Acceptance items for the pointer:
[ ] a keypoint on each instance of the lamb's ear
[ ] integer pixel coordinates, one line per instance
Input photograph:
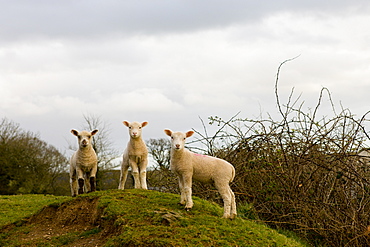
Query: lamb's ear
(94, 132)
(126, 123)
(168, 132)
(189, 133)
(143, 124)
(75, 132)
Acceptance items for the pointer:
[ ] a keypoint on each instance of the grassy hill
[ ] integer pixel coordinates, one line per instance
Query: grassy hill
(126, 218)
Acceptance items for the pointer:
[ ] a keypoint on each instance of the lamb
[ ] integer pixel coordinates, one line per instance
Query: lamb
(83, 164)
(188, 165)
(135, 156)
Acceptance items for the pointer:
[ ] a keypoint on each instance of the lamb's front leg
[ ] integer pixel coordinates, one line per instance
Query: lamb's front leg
(81, 181)
(182, 192)
(187, 182)
(135, 174)
(73, 183)
(93, 179)
(142, 174)
(123, 177)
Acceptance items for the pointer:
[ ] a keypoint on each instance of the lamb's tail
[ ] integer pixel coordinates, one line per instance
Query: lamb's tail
(233, 174)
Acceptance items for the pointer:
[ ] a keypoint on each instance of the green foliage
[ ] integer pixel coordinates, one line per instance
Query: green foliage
(247, 211)
(28, 164)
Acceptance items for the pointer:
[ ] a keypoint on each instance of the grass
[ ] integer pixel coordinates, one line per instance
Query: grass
(150, 218)
(17, 207)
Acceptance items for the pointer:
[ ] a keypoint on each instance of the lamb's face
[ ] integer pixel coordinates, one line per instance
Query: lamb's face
(84, 137)
(135, 128)
(178, 139)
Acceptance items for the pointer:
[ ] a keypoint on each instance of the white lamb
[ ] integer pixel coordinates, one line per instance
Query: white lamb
(188, 165)
(83, 164)
(135, 156)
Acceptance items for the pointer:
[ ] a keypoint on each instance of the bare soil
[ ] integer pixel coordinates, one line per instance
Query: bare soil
(77, 216)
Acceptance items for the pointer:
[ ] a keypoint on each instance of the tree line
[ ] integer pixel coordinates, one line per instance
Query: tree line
(27, 164)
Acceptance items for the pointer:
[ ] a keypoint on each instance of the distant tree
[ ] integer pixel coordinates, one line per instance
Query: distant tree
(27, 164)
(159, 149)
(160, 177)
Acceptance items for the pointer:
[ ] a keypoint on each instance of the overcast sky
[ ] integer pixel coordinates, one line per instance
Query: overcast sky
(171, 62)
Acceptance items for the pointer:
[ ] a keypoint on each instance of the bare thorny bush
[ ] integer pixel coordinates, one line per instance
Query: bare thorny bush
(302, 173)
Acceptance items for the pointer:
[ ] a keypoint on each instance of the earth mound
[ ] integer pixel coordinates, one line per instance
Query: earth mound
(68, 221)
(137, 218)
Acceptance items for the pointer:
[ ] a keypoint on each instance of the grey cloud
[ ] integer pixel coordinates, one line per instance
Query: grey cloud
(61, 19)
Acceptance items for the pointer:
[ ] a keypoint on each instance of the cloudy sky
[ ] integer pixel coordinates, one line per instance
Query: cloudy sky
(170, 62)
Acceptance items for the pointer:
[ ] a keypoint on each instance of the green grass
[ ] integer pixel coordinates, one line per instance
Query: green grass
(17, 207)
(143, 223)
(150, 218)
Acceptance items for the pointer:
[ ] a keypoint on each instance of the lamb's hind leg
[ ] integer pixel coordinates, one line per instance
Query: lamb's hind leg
(142, 174)
(233, 212)
(87, 183)
(224, 190)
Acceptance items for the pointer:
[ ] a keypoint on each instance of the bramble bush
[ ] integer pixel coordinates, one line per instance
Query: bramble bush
(304, 173)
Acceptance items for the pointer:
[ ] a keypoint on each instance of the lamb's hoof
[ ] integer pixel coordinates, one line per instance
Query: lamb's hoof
(187, 209)
(227, 216)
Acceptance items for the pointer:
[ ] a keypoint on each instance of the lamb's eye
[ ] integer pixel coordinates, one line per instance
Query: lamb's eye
(184, 139)
(140, 128)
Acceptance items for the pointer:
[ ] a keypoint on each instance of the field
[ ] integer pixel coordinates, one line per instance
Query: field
(127, 218)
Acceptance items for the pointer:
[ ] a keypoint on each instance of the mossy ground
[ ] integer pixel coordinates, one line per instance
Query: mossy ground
(17, 207)
(137, 218)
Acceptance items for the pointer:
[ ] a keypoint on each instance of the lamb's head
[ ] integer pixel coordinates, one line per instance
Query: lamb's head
(84, 137)
(178, 138)
(135, 128)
